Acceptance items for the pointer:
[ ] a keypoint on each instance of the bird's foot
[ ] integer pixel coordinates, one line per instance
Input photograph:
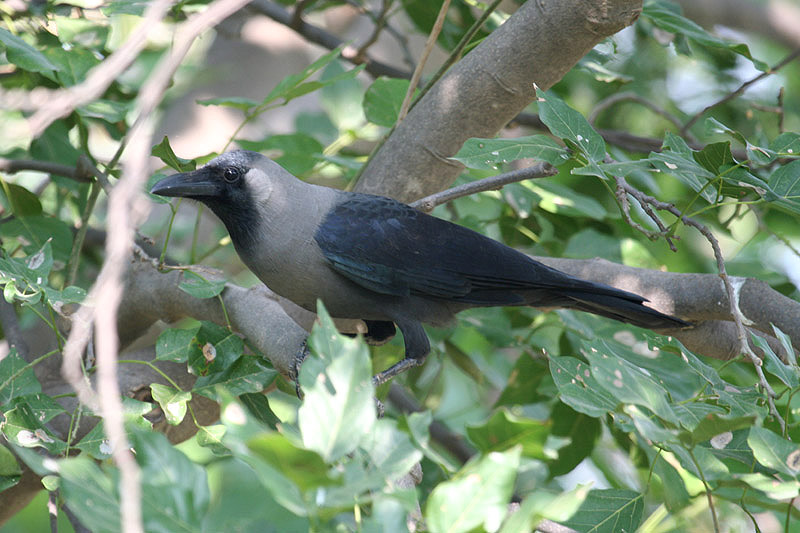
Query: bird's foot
(396, 369)
(294, 369)
(294, 375)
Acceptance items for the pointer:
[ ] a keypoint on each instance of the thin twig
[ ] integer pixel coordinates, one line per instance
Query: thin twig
(456, 53)
(709, 496)
(380, 24)
(628, 96)
(324, 38)
(64, 101)
(492, 183)
(623, 139)
(297, 13)
(622, 197)
(431, 42)
(52, 510)
(744, 344)
(742, 88)
(74, 172)
(74, 521)
(126, 209)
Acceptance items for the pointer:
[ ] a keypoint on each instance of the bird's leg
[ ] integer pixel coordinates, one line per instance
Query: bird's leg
(417, 348)
(294, 368)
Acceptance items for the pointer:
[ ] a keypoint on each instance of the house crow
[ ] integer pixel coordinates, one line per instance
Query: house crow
(376, 259)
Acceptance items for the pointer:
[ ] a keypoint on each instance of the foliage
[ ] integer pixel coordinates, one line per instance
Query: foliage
(656, 431)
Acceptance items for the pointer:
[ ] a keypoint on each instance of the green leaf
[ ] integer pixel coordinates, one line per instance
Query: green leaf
(24, 55)
(774, 489)
(786, 344)
(341, 96)
(477, 496)
(90, 494)
(108, 110)
(569, 125)
(239, 429)
(504, 430)
(715, 156)
(164, 151)
(10, 470)
(418, 426)
(54, 145)
(627, 382)
(524, 381)
(304, 468)
(197, 286)
(72, 65)
(235, 102)
(214, 350)
(43, 407)
(298, 153)
(20, 201)
(16, 378)
(686, 170)
(240, 504)
(383, 100)
(258, 406)
(211, 437)
(175, 493)
(541, 504)
(660, 14)
(581, 430)
(338, 409)
(579, 389)
(560, 200)
(34, 232)
(714, 425)
(775, 452)
(786, 373)
(786, 144)
(390, 451)
(676, 497)
(95, 443)
(173, 402)
(247, 374)
(785, 182)
(608, 510)
(176, 344)
(292, 86)
(23, 428)
(487, 154)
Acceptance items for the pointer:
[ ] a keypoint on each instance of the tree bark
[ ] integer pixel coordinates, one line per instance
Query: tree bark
(481, 93)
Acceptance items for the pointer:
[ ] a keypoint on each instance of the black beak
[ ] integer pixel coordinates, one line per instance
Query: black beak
(201, 183)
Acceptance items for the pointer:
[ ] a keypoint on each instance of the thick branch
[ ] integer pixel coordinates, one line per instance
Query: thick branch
(486, 89)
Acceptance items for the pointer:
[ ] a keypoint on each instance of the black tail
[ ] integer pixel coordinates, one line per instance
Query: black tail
(620, 305)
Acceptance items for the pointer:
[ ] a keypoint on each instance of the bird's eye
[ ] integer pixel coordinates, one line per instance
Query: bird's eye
(231, 174)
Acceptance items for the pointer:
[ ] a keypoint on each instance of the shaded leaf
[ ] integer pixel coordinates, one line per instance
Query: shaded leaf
(609, 510)
(338, 409)
(477, 496)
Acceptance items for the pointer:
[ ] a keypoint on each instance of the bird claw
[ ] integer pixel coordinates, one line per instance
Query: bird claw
(294, 375)
(395, 370)
(294, 368)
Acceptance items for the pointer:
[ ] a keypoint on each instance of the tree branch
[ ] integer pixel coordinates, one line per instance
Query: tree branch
(492, 183)
(480, 94)
(319, 36)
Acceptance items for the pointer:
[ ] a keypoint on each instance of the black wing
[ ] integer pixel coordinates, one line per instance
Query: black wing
(391, 248)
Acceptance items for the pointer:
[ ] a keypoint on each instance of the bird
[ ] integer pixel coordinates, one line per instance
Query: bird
(376, 259)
